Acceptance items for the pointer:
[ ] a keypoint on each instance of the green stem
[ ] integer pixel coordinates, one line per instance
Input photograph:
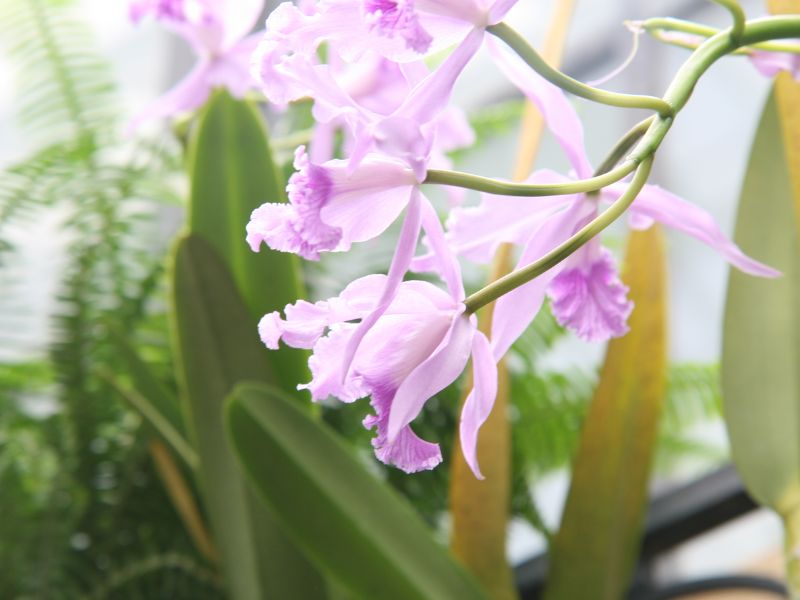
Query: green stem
(733, 7)
(623, 146)
(515, 279)
(668, 24)
(521, 46)
(507, 188)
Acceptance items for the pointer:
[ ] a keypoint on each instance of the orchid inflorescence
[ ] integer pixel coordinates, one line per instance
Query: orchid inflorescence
(400, 341)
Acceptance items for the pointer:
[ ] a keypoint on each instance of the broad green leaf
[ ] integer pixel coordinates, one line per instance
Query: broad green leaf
(761, 347)
(232, 173)
(595, 549)
(352, 525)
(216, 347)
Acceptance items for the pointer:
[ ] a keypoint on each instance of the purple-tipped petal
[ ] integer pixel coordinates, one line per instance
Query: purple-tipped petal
(589, 299)
(434, 374)
(480, 401)
(558, 112)
(515, 311)
(407, 452)
(672, 211)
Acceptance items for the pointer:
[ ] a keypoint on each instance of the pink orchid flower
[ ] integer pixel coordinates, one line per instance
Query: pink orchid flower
(586, 293)
(218, 33)
(418, 346)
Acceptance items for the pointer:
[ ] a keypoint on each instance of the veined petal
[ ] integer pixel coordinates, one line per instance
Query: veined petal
(434, 374)
(515, 311)
(556, 109)
(407, 452)
(667, 208)
(480, 401)
(588, 297)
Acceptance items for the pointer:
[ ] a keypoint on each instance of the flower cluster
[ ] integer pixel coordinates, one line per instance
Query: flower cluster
(397, 341)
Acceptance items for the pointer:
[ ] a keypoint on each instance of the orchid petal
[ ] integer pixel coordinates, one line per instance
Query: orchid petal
(429, 98)
(406, 246)
(515, 311)
(445, 258)
(667, 208)
(188, 94)
(558, 112)
(239, 17)
(480, 401)
(434, 374)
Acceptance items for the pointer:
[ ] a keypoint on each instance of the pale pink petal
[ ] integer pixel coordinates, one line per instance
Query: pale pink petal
(556, 109)
(326, 368)
(239, 17)
(476, 232)
(188, 94)
(406, 246)
(480, 401)
(434, 374)
(656, 203)
(515, 311)
(770, 64)
(446, 260)
(499, 10)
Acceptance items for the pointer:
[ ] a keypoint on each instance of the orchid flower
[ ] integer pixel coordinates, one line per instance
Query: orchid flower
(418, 346)
(218, 33)
(585, 291)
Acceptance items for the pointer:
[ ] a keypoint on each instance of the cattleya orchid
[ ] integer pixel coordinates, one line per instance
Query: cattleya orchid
(361, 62)
(218, 32)
(586, 294)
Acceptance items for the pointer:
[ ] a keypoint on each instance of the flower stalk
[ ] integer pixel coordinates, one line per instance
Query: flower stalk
(522, 276)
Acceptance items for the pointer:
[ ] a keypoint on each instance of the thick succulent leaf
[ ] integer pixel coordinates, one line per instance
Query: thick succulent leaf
(351, 524)
(761, 347)
(232, 173)
(216, 347)
(595, 550)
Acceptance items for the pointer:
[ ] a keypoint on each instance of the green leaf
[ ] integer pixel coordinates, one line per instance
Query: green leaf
(217, 347)
(595, 549)
(347, 521)
(232, 173)
(761, 347)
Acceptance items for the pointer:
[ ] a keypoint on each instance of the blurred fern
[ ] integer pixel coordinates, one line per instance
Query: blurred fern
(93, 496)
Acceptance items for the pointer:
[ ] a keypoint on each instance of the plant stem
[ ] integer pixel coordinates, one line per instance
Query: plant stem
(522, 276)
(507, 188)
(521, 46)
(735, 9)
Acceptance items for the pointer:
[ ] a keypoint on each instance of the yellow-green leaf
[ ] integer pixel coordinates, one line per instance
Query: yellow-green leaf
(595, 549)
(761, 348)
